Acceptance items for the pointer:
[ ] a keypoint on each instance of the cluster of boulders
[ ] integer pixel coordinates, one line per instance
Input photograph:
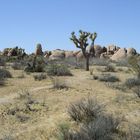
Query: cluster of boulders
(13, 51)
(112, 52)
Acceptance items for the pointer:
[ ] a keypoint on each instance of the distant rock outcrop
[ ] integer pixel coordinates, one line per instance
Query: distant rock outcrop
(131, 52)
(120, 54)
(57, 55)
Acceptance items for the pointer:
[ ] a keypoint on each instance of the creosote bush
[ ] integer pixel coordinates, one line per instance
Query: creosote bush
(58, 70)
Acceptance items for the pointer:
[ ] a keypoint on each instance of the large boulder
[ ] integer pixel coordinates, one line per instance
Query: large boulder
(131, 52)
(6, 51)
(69, 54)
(57, 55)
(120, 54)
(98, 50)
(80, 56)
(111, 49)
(38, 50)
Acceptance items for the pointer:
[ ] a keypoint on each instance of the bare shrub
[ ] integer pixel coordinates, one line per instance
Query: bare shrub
(85, 110)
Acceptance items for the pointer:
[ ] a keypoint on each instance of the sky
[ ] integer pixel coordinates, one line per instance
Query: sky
(25, 23)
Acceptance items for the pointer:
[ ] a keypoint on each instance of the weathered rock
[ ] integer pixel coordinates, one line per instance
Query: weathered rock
(98, 50)
(120, 54)
(38, 50)
(131, 52)
(80, 56)
(69, 54)
(111, 49)
(57, 55)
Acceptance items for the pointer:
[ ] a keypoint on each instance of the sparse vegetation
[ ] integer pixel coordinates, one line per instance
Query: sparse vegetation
(108, 78)
(40, 77)
(132, 82)
(59, 83)
(58, 70)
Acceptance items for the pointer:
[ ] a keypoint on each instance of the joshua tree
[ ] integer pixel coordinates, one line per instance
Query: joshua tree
(81, 43)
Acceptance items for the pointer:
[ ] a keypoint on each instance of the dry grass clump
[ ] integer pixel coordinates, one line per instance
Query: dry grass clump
(106, 78)
(59, 83)
(132, 82)
(92, 123)
(85, 110)
(40, 77)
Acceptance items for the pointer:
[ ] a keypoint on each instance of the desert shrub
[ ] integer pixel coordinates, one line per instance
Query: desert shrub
(116, 86)
(137, 91)
(59, 83)
(17, 66)
(5, 73)
(2, 81)
(2, 62)
(104, 127)
(95, 77)
(99, 62)
(63, 130)
(135, 65)
(132, 82)
(85, 110)
(58, 70)
(109, 68)
(35, 64)
(108, 78)
(40, 77)
(122, 63)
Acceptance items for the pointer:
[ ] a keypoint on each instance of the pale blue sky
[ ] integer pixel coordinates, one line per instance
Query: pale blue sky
(25, 23)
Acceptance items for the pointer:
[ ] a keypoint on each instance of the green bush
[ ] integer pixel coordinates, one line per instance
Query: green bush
(58, 70)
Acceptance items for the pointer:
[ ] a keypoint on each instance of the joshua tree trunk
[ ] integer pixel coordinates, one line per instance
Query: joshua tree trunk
(87, 63)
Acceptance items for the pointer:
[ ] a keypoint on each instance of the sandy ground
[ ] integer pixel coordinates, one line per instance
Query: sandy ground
(43, 124)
